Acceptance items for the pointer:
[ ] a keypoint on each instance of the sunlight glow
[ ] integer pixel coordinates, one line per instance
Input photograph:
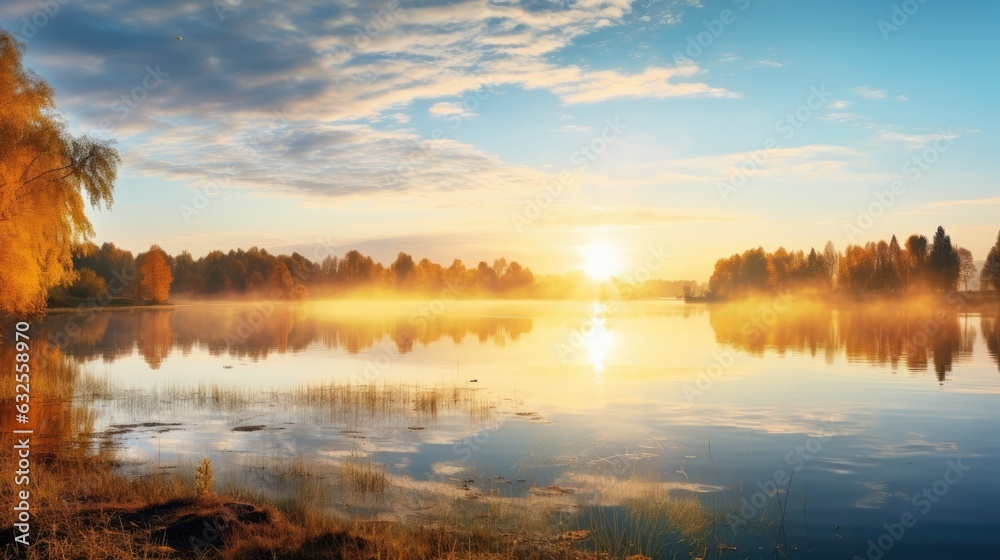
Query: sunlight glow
(599, 341)
(601, 262)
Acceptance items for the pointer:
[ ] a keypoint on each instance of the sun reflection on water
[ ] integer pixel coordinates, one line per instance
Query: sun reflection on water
(599, 341)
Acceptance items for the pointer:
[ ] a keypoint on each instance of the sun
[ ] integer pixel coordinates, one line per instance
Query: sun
(601, 262)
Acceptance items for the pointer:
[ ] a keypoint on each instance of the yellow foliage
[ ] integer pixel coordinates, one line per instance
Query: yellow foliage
(44, 173)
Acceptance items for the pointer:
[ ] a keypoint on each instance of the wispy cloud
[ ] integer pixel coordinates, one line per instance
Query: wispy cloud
(839, 117)
(913, 140)
(624, 217)
(336, 160)
(728, 58)
(333, 64)
(976, 202)
(575, 128)
(450, 109)
(869, 92)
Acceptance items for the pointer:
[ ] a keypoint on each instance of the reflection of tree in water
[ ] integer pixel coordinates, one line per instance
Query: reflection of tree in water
(916, 336)
(155, 337)
(56, 421)
(251, 332)
(756, 328)
(990, 324)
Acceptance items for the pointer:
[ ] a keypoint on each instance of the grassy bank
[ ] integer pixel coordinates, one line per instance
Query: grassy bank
(83, 505)
(86, 511)
(87, 501)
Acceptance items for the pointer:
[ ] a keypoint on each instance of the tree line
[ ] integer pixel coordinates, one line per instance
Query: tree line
(918, 265)
(111, 273)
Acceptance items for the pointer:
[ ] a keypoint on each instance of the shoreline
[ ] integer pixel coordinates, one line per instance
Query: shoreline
(966, 298)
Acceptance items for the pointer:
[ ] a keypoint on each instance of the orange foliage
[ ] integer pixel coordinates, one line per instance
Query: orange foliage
(44, 172)
(156, 275)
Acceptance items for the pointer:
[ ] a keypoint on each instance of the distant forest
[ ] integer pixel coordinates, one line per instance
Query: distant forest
(886, 267)
(117, 276)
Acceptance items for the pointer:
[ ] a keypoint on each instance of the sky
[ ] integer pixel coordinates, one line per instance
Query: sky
(531, 130)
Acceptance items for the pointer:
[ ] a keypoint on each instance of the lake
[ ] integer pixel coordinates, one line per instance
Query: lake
(767, 429)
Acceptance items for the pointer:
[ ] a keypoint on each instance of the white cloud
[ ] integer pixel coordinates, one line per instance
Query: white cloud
(839, 117)
(839, 104)
(317, 67)
(336, 160)
(901, 98)
(590, 87)
(450, 109)
(575, 128)
(978, 203)
(728, 58)
(914, 140)
(869, 92)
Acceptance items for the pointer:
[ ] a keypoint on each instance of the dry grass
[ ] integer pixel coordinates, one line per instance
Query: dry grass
(85, 512)
(652, 523)
(84, 507)
(325, 403)
(364, 478)
(658, 511)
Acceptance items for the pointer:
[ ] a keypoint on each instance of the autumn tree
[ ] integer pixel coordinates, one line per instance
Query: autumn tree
(430, 276)
(831, 258)
(485, 278)
(46, 178)
(500, 267)
(355, 268)
(516, 278)
(856, 269)
(989, 277)
(403, 270)
(88, 285)
(115, 265)
(966, 267)
(156, 275)
(456, 275)
(281, 279)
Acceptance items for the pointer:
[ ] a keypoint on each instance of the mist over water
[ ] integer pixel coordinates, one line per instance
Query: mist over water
(796, 427)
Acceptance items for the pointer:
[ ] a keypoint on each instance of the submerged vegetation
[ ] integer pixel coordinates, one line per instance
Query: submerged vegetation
(326, 403)
(364, 478)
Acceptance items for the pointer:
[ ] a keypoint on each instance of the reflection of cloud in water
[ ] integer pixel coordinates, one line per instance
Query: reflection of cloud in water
(844, 466)
(816, 421)
(876, 497)
(448, 469)
(917, 445)
(412, 498)
(609, 490)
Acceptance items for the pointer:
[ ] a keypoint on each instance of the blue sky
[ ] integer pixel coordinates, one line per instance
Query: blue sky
(427, 126)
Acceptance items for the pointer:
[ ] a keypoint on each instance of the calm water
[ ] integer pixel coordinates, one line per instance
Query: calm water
(807, 432)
